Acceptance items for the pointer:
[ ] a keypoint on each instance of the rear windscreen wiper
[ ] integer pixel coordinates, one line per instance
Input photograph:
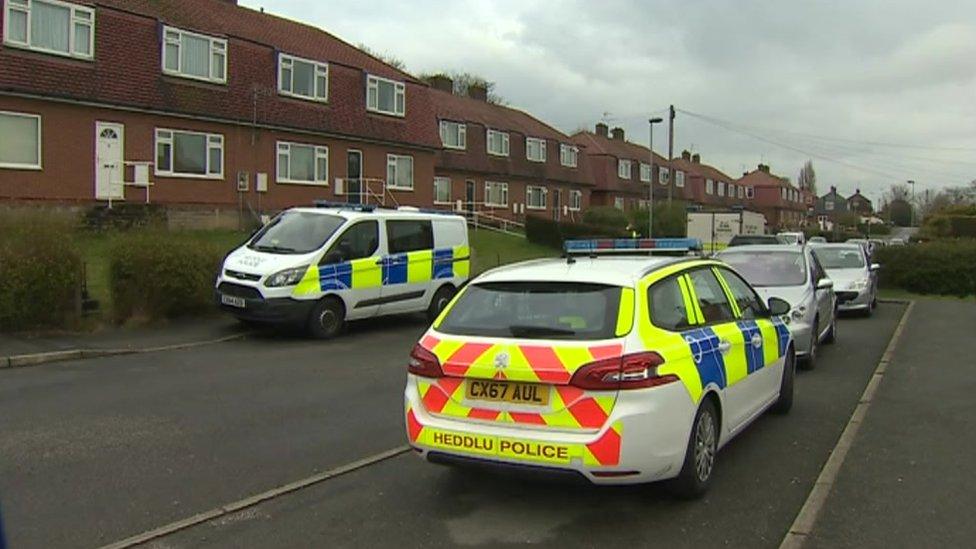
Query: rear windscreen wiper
(528, 331)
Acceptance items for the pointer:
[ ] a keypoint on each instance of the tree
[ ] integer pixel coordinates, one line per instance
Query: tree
(807, 178)
(387, 58)
(464, 80)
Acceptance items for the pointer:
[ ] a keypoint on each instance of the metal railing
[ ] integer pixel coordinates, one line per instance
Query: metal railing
(366, 191)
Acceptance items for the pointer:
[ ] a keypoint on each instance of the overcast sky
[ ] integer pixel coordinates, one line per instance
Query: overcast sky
(868, 71)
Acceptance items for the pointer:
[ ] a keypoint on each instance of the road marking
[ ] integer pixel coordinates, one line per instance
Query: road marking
(251, 501)
(802, 526)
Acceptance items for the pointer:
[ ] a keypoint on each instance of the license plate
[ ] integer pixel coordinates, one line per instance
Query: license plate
(507, 391)
(232, 300)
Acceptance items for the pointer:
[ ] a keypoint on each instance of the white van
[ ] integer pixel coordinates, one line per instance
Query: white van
(318, 267)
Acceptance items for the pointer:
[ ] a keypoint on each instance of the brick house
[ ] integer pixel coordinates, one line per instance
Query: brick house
(707, 186)
(830, 208)
(620, 170)
(775, 197)
(860, 204)
(503, 161)
(198, 98)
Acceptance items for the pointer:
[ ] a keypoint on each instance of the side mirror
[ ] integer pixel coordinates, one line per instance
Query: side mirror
(875, 266)
(825, 284)
(778, 307)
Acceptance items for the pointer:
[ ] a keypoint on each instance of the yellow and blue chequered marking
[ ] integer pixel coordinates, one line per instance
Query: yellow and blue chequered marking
(708, 360)
(755, 357)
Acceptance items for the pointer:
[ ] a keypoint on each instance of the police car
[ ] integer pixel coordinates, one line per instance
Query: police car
(605, 365)
(321, 266)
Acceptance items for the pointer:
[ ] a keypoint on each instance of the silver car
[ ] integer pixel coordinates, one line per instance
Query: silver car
(855, 277)
(795, 275)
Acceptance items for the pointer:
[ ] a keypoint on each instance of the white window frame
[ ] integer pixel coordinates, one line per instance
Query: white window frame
(504, 191)
(618, 202)
(730, 190)
(646, 173)
(740, 191)
(568, 155)
(679, 178)
(461, 132)
(720, 189)
(829, 205)
(392, 161)
(399, 96)
(625, 168)
(782, 193)
(750, 192)
(709, 186)
(505, 141)
(24, 6)
(542, 192)
(575, 201)
(321, 152)
(663, 175)
(542, 149)
(40, 160)
(213, 140)
(442, 181)
(217, 46)
(320, 70)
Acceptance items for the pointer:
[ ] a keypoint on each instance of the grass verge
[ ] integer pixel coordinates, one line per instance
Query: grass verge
(894, 293)
(491, 249)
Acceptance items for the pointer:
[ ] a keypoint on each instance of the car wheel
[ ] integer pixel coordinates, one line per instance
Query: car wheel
(785, 401)
(326, 319)
(441, 298)
(696, 471)
(809, 362)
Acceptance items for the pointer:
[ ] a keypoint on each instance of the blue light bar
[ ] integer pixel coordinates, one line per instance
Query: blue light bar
(344, 206)
(623, 245)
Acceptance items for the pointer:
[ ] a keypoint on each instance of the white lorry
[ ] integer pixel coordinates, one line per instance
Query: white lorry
(716, 229)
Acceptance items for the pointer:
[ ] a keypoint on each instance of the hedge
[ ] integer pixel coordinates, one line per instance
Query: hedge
(40, 270)
(545, 232)
(159, 274)
(945, 267)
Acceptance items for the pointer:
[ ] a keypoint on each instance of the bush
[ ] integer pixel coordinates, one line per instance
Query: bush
(945, 267)
(159, 274)
(40, 270)
(545, 232)
(668, 222)
(606, 216)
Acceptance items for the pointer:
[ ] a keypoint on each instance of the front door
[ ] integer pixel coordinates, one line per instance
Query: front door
(556, 206)
(469, 191)
(109, 154)
(354, 177)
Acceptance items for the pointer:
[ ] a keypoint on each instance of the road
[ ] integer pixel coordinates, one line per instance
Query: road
(99, 450)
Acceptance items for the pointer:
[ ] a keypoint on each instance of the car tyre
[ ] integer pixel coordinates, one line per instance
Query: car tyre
(831, 336)
(809, 362)
(440, 300)
(326, 319)
(699, 464)
(785, 401)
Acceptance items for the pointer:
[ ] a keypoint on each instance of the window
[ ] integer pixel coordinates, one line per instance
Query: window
(454, 135)
(20, 140)
(667, 305)
(829, 205)
(645, 172)
(731, 190)
(618, 202)
(189, 154)
(496, 194)
(568, 155)
(303, 78)
(385, 96)
(663, 175)
(709, 186)
(712, 301)
(409, 236)
(359, 241)
(575, 200)
(50, 26)
(535, 198)
(750, 192)
(721, 188)
(193, 55)
(442, 190)
(741, 191)
(782, 193)
(399, 172)
(535, 149)
(768, 269)
(308, 164)
(679, 178)
(749, 303)
(624, 168)
(497, 143)
(296, 232)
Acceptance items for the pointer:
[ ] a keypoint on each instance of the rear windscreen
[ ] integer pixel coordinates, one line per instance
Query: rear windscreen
(535, 310)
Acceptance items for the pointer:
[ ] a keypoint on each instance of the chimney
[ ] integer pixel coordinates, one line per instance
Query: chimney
(477, 91)
(764, 168)
(686, 155)
(833, 189)
(441, 82)
(696, 158)
(618, 133)
(602, 129)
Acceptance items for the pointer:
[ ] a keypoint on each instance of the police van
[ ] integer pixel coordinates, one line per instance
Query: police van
(318, 267)
(602, 365)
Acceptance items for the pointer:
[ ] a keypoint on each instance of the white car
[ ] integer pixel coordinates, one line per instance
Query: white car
(855, 277)
(620, 370)
(318, 267)
(792, 238)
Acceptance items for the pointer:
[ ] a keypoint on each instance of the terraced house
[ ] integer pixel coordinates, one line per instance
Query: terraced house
(503, 162)
(205, 104)
(784, 205)
(707, 186)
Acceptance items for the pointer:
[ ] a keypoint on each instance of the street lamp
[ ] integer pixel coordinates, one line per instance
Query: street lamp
(650, 186)
(912, 183)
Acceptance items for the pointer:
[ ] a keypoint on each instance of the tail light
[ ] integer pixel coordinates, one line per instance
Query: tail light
(636, 371)
(424, 363)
